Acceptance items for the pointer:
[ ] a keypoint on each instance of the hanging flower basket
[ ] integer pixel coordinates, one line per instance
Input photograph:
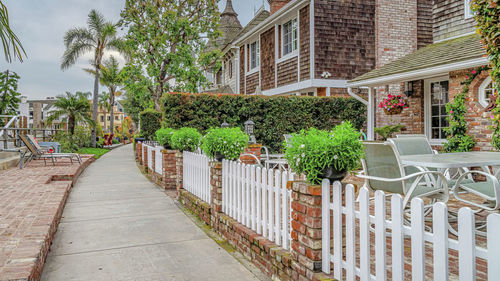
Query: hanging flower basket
(393, 105)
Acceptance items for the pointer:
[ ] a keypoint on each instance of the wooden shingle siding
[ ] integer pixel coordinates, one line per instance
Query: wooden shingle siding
(305, 65)
(252, 81)
(287, 72)
(344, 37)
(424, 23)
(242, 69)
(267, 59)
(449, 20)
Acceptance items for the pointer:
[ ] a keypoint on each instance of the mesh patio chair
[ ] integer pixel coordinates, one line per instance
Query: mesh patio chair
(383, 170)
(37, 152)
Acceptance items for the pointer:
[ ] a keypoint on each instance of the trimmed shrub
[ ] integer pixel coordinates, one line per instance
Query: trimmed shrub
(185, 139)
(164, 136)
(229, 142)
(150, 123)
(273, 116)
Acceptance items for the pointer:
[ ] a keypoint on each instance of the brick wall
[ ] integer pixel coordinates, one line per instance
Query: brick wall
(344, 37)
(179, 167)
(267, 59)
(169, 166)
(252, 81)
(304, 29)
(449, 20)
(242, 69)
(287, 72)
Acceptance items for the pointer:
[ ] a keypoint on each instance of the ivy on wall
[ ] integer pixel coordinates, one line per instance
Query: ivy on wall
(487, 16)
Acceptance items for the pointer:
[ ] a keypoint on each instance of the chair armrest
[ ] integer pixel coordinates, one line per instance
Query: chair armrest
(251, 155)
(266, 152)
(439, 174)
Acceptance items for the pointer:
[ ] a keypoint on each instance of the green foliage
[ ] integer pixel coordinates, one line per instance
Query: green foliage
(150, 123)
(229, 142)
(71, 143)
(9, 38)
(387, 131)
(312, 151)
(458, 140)
(164, 135)
(186, 139)
(9, 96)
(74, 108)
(273, 116)
(487, 15)
(98, 152)
(168, 44)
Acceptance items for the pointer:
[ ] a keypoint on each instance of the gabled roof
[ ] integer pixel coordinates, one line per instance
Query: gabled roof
(229, 25)
(449, 52)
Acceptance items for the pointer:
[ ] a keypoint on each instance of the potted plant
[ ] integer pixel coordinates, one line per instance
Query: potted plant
(393, 104)
(224, 143)
(163, 136)
(185, 139)
(323, 154)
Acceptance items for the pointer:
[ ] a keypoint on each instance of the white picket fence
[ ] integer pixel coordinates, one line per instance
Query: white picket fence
(259, 199)
(158, 160)
(150, 157)
(358, 222)
(196, 175)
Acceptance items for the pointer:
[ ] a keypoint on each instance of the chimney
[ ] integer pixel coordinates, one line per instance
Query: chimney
(277, 4)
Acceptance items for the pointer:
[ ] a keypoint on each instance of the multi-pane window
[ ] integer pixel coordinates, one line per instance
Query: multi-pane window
(439, 99)
(254, 55)
(290, 37)
(467, 8)
(486, 90)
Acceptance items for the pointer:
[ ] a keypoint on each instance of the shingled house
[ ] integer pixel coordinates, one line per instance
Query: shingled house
(308, 47)
(426, 49)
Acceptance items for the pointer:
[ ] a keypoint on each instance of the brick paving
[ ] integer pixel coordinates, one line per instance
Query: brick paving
(32, 200)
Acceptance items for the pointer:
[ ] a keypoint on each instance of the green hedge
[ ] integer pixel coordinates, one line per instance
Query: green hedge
(150, 123)
(273, 116)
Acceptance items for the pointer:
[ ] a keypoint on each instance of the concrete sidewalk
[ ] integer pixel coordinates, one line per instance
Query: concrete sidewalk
(118, 226)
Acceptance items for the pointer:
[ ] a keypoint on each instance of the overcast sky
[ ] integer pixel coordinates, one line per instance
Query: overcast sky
(41, 25)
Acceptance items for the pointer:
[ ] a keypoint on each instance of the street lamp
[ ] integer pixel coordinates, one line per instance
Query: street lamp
(249, 127)
(224, 124)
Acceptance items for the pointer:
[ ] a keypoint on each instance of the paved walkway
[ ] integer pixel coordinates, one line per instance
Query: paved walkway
(118, 226)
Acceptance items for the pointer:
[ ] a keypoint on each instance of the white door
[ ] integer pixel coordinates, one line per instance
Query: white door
(435, 99)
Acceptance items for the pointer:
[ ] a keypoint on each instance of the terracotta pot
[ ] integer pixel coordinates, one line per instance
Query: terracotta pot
(393, 111)
(333, 174)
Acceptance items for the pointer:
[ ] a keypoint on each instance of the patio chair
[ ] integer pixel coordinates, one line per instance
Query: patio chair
(383, 170)
(488, 190)
(37, 152)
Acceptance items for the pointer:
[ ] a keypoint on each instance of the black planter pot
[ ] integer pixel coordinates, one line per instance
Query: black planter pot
(219, 157)
(333, 174)
(166, 146)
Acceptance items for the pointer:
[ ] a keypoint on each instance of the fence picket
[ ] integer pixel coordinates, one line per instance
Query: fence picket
(397, 237)
(350, 224)
(285, 220)
(417, 240)
(493, 222)
(337, 230)
(258, 197)
(277, 206)
(264, 203)
(440, 227)
(364, 234)
(380, 237)
(247, 196)
(270, 197)
(253, 216)
(466, 245)
(325, 226)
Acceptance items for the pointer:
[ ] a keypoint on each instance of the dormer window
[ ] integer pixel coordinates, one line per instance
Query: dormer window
(468, 10)
(254, 55)
(289, 37)
(486, 90)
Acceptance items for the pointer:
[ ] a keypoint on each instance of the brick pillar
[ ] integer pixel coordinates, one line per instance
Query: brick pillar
(253, 149)
(178, 164)
(306, 230)
(216, 191)
(138, 152)
(169, 169)
(153, 155)
(145, 159)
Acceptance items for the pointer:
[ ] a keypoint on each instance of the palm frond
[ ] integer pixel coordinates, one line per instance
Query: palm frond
(78, 34)
(96, 22)
(9, 38)
(73, 52)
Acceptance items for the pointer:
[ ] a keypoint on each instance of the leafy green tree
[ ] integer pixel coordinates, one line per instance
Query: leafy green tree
(99, 36)
(168, 44)
(73, 109)
(9, 99)
(9, 38)
(105, 105)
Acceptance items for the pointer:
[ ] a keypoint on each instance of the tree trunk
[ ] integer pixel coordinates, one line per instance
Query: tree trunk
(95, 106)
(104, 129)
(71, 125)
(111, 111)
(157, 96)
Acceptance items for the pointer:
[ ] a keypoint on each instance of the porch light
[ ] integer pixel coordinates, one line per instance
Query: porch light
(249, 127)
(224, 124)
(409, 89)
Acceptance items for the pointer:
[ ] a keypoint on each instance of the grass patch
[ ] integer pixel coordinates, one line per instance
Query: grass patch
(98, 152)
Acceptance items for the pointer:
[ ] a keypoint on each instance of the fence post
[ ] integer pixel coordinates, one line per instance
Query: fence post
(153, 161)
(145, 158)
(306, 230)
(138, 151)
(216, 191)
(169, 169)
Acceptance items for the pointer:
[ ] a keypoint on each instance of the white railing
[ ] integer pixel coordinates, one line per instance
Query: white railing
(196, 175)
(150, 157)
(158, 160)
(355, 227)
(259, 199)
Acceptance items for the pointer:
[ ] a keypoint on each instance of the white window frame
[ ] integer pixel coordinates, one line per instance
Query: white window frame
(428, 108)
(482, 91)
(467, 9)
(295, 47)
(256, 67)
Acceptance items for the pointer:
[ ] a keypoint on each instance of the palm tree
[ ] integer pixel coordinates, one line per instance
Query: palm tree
(104, 104)
(73, 108)
(9, 38)
(111, 77)
(98, 37)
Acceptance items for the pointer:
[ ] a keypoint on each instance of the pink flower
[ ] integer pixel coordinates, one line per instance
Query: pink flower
(451, 111)
(466, 76)
(492, 116)
(473, 72)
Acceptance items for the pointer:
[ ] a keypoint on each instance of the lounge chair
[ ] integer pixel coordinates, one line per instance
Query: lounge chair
(383, 170)
(37, 152)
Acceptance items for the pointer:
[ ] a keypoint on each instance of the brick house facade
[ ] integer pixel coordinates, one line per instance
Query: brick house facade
(426, 48)
(307, 51)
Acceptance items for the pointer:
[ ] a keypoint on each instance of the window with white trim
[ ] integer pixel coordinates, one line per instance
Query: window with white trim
(254, 55)
(467, 9)
(290, 37)
(486, 90)
(438, 100)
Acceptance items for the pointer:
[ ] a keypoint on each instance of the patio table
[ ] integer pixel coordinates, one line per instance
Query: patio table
(273, 163)
(453, 160)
